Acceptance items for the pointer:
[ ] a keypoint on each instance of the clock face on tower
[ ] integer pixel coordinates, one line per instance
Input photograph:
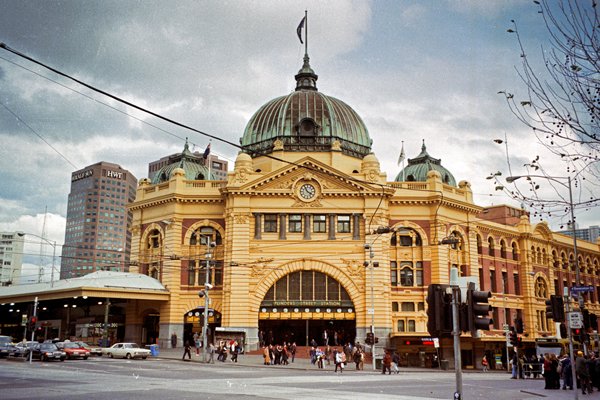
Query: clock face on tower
(307, 191)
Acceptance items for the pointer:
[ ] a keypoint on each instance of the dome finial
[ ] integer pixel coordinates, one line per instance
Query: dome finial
(306, 78)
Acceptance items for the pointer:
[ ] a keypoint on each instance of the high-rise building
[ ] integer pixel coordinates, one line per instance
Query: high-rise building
(590, 234)
(217, 166)
(97, 235)
(11, 257)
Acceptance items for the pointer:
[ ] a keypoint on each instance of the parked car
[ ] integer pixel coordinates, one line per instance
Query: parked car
(5, 346)
(21, 349)
(126, 350)
(47, 352)
(73, 350)
(94, 350)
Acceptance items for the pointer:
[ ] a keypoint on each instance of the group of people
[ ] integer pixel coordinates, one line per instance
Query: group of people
(556, 369)
(279, 354)
(223, 349)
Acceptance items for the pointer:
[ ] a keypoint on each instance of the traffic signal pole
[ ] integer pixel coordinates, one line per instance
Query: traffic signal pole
(456, 334)
(570, 335)
(35, 304)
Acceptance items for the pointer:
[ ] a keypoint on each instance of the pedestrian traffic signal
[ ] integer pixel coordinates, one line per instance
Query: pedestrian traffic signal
(439, 310)
(32, 322)
(376, 339)
(519, 341)
(555, 308)
(576, 335)
(369, 338)
(513, 338)
(478, 310)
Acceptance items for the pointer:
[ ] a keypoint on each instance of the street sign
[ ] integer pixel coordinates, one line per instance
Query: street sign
(579, 289)
(370, 311)
(575, 320)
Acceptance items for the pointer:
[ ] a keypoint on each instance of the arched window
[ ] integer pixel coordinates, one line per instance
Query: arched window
(300, 287)
(491, 247)
(196, 271)
(502, 249)
(406, 237)
(204, 235)
(154, 240)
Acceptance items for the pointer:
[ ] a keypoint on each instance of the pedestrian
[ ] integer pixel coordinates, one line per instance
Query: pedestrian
(266, 356)
(234, 351)
(328, 355)
(566, 372)
(211, 353)
(187, 350)
(338, 356)
(293, 351)
(514, 362)
(484, 362)
(325, 338)
(357, 358)
(396, 362)
(581, 368)
(173, 340)
(386, 364)
(197, 343)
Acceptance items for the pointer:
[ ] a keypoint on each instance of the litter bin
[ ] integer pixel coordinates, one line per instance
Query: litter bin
(445, 365)
(153, 349)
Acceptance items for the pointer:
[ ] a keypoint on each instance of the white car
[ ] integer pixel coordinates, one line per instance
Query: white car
(126, 350)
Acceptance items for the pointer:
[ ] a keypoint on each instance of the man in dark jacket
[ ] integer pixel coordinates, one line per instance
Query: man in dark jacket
(583, 375)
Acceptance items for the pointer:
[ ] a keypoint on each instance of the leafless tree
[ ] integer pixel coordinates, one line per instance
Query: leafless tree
(562, 101)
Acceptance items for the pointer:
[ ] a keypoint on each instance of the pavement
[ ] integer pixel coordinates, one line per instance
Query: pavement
(300, 363)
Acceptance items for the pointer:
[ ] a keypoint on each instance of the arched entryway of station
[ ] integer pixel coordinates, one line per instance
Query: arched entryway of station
(193, 321)
(150, 326)
(304, 304)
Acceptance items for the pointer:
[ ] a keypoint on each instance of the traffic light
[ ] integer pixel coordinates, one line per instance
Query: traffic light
(439, 310)
(555, 308)
(519, 341)
(32, 322)
(478, 310)
(576, 335)
(369, 338)
(376, 339)
(513, 337)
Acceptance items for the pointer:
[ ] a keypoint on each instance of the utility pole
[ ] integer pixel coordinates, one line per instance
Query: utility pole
(204, 293)
(35, 304)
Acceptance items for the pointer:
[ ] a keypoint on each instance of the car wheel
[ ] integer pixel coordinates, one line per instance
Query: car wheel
(85, 358)
(44, 358)
(128, 356)
(111, 355)
(144, 357)
(62, 359)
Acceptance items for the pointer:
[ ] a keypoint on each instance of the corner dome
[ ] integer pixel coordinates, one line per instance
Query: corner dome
(190, 165)
(417, 169)
(306, 120)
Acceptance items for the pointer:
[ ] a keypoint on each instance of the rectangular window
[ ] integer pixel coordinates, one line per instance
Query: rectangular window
(408, 306)
(394, 273)
(295, 223)
(343, 223)
(319, 223)
(493, 281)
(419, 274)
(400, 325)
(505, 282)
(411, 325)
(270, 223)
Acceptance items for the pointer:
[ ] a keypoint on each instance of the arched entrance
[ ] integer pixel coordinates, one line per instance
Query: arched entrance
(302, 306)
(193, 321)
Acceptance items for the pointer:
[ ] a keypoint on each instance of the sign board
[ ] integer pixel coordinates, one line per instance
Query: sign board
(370, 311)
(575, 320)
(436, 343)
(579, 289)
(505, 327)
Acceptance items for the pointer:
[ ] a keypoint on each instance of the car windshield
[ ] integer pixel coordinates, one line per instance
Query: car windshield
(48, 347)
(4, 340)
(71, 346)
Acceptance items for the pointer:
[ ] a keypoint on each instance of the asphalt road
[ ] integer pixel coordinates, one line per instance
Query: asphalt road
(158, 378)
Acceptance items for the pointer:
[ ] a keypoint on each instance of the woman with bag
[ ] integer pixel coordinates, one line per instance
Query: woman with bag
(484, 362)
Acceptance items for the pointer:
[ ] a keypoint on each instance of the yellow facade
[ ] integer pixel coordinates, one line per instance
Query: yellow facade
(311, 215)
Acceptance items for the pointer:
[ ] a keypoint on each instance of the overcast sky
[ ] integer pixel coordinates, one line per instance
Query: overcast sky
(413, 70)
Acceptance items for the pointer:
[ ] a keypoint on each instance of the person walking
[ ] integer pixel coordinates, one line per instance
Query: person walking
(396, 362)
(266, 356)
(234, 351)
(581, 368)
(338, 356)
(484, 362)
(197, 343)
(386, 364)
(173, 340)
(293, 351)
(187, 350)
(566, 372)
(514, 362)
(211, 353)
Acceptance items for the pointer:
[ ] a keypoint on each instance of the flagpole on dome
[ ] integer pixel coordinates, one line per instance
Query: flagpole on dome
(306, 33)
(401, 160)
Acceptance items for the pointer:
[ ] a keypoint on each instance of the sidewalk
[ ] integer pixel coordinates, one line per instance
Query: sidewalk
(256, 360)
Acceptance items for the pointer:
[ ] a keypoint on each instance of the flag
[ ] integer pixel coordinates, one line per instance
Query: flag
(402, 155)
(299, 29)
(207, 151)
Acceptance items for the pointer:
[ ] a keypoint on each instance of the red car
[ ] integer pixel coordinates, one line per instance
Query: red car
(74, 350)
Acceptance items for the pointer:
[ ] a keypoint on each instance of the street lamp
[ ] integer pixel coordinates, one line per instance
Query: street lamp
(372, 310)
(511, 179)
(204, 293)
(51, 243)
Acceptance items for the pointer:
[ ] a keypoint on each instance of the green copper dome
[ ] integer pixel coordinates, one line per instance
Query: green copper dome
(306, 120)
(418, 167)
(192, 165)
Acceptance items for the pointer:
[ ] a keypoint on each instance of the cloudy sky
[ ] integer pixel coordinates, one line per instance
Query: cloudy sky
(413, 70)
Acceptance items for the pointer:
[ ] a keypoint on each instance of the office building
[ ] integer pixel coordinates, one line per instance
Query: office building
(11, 258)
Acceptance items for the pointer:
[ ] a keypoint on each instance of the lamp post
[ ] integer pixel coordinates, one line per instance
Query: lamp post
(510, 179)
(372, 310)
(204, 293)
(51, 243)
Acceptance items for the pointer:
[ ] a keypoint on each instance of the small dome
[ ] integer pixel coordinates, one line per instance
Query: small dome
(185, 164)
(418, 167)
(306, 120)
